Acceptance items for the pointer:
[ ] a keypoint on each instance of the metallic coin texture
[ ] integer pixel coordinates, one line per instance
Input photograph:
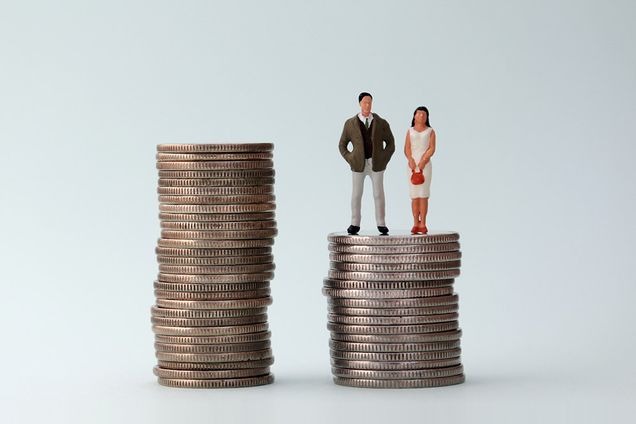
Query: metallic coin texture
(210, 374)
(215, 304)
(393, 276)
(415, 267)
(400, 384)
(394, 250)
(216, 278)
(386, 285)
(208, 322)
(209, 253)
(216, 147)
(219, 287)
(408, 320)
(217, 384)
(392, 347)
(392, 329)
(215, 366)
(224, 209)
(399, 338)
(214, 165)
(193, 157)
(393, 312)
(215, 244)
(220, 234)
(398, 375)
(218, 174)
(391, 240)
(387, 294)
(214, 295)
(214, 348)
(216, 200)
(204, 313)
(226, 339)
(220, 269)
(212, 261)
(396, 356)
(218, 226)
(215, 357)
(216, 182)
(209, 331)
(420, 302)
(395, 365)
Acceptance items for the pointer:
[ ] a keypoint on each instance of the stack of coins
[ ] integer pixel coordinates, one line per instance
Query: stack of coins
(393, 310)
(215, 259)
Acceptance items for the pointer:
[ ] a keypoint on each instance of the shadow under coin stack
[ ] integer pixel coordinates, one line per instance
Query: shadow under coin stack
(393, 311)
(215, 259)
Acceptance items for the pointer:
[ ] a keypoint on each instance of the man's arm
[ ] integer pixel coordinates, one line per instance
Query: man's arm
(344, 141)
(390, 141)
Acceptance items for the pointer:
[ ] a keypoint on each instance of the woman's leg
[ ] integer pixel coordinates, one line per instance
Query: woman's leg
(415, 208)
(423, 206)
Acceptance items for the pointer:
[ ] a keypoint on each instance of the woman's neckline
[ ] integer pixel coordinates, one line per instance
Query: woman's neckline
(424, 130)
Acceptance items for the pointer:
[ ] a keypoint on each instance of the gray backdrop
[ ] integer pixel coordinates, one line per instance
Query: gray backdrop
(532, 103)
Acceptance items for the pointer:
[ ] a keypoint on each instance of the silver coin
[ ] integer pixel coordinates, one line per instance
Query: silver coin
(220, 209)
(215, 165)
(217, 200)
(215, 357)
(392, 239)
(216, 244)
(387, 294)
(392, 329)
(398, 375)
(217, 384)
(215, 366)
(211, 261)
(215, 295)
(202, 313)
(220, 235)
(386, 285)
(217, 217)
(216, 278)
(420, 302)
(212, 253)
(215, 191)
(216, 147)
(393, 347)
(394, 250)
(209, 331)
(210, 374)
(196, 157)
(397, 365)
(228, 339)
(396, 356)
(215, 304)
(394, 312)
(215, 182)
(400, 384)
(414, 267)
(395, 259)
(393, 276)
(408, 320)
(221, 269)
(215, 348)
(219, 287)
(217, 226)
(399, 338)
(218, 174)
(208, 322)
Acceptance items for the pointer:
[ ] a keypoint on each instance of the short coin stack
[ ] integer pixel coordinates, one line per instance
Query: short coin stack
(215, 259)
(393, 310)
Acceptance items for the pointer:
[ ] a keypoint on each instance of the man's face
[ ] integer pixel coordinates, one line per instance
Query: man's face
(365, 105)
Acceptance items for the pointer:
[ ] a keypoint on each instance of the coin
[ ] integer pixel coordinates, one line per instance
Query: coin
(398, 375)
(215, 182)
(214, 384)
(216, 191)
(210, 261)
(215, 348)
(215, 357)
(216, 244)
(395, 259)
(399, 384)
(209, 253)
(215, 304)
(219, 174)
(193, 157)
(215, 295)
(217, 217)
(226, 339)
(217, 200)
(222, 226)
(372, 240)
(221, 269)
(387, 294)
(399, 338)
(419, 302)
(395, 365)
(203, 313)
(208, 322)
(393, 276)
(216, 278)
(204, 375)
(394, 250)
(220, 235)
(216, 148)
(209, 331)
(392, 329)
(409, 320)
(215, 165)
(393, 347)
(414, 267)
(386, 285)
(219, 287)
(216, 366)
(395, 356)
(394, 312)
(225, 209)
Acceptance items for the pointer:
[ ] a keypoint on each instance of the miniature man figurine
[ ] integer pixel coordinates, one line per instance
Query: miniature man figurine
(372, 147)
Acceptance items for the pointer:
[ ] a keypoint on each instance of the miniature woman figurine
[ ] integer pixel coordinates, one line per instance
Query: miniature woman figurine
(418, 148)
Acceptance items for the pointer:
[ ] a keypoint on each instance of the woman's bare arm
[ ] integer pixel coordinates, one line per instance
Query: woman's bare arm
(426, 157)
(407, 150)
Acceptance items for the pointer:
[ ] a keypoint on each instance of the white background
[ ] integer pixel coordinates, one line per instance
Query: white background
(533, 106)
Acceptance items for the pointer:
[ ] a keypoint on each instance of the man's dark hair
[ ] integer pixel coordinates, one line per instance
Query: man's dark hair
(363, 95)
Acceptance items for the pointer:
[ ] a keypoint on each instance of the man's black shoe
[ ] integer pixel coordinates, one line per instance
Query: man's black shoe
(353, 229)
(383, 230)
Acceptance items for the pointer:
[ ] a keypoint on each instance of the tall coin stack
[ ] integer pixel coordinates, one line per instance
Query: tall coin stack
(393, 310)
(216, 206)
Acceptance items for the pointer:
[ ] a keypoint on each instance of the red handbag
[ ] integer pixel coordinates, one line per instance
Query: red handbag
(417, 178)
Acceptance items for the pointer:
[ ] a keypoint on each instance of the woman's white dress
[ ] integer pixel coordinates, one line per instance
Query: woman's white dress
(419, 144)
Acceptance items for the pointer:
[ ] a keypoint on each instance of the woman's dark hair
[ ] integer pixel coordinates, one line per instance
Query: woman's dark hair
(363, 95)
(428, 124)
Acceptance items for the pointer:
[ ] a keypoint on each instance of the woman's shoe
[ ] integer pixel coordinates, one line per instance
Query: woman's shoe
(423, 230)
(415, 229)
